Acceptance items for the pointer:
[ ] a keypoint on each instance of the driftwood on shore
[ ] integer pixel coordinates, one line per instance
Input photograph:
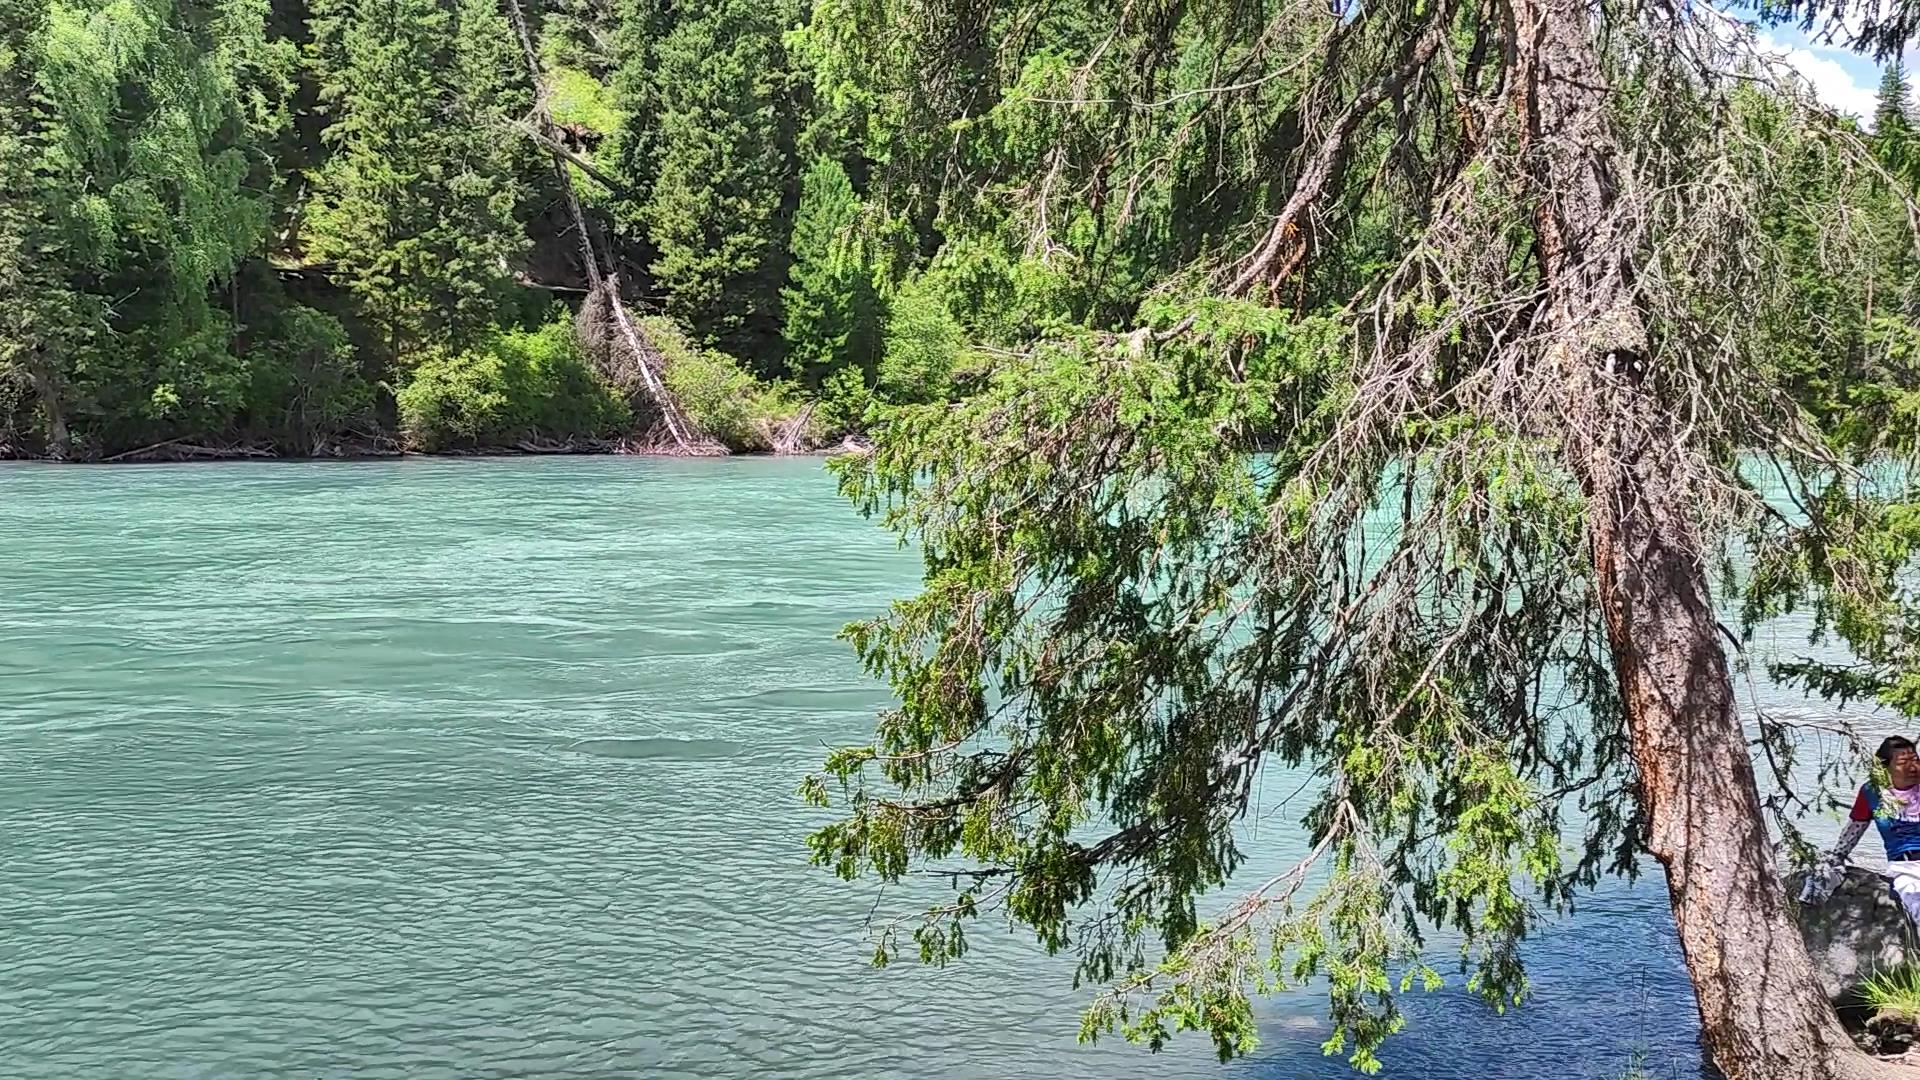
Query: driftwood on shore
(182, 450)
(793, 436)
(345, 444)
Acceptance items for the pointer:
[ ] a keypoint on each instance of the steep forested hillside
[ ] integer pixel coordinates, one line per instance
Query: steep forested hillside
(335, 226)
(323, 226)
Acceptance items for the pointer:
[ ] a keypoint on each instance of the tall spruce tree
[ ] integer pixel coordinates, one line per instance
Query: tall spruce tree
(1893, 116)
(716, 213)
(831, 307)
(415, 209)
(1893, 102)
(640, 29)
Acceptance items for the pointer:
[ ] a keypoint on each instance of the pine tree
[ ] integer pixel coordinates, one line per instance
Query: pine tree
(1893, 110)
(830, 306)
(416, 208)
(715, 212)
(642, 27)
(1893, 117)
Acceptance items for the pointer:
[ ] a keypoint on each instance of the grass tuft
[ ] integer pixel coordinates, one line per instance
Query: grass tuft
(1894, 994)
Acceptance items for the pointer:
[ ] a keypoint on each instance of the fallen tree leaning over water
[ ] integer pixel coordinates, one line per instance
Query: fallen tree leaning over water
(1503, 308)
(607, 331)
(632, 361)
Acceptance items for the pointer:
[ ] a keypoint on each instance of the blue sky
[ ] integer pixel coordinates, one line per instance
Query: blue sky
(1842, 78)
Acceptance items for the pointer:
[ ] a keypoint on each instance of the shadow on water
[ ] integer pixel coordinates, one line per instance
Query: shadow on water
(1610, 996)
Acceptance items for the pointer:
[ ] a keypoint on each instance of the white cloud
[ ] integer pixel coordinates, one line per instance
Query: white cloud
(1833, 84)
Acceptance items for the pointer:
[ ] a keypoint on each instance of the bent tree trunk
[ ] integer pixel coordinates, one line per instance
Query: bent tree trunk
(1762, 1013)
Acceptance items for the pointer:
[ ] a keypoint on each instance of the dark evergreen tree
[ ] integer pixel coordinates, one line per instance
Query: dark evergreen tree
(831, 316)
(640, 29)
(1893, 117)
(715, 211)
(1893, 109)
(416, 209)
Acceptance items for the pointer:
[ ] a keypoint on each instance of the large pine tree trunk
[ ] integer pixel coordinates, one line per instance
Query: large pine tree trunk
(1761, 1010)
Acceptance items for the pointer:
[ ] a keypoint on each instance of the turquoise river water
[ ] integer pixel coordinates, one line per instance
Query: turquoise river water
(461, 769)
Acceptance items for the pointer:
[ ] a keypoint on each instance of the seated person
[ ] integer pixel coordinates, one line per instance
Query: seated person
(1895, 809)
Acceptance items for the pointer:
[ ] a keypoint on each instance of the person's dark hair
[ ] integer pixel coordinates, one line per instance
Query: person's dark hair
(1890, 744)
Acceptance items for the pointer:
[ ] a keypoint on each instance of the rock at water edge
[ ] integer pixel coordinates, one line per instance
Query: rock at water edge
(1857, 931)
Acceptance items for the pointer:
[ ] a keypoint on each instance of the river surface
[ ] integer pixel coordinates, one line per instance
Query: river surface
(460, 769)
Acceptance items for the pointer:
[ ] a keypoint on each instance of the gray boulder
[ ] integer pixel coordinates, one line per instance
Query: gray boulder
(1857, 931)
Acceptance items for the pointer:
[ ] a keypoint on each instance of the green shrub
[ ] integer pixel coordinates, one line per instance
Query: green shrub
(306, 380)
(170, 376)
(924, 344)
(719, 394)
(841, 409)
(522, 384)
(577, 99)
(1005, 297)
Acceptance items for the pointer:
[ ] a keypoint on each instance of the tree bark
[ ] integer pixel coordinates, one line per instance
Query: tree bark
(47, 388)
(1762, 1013)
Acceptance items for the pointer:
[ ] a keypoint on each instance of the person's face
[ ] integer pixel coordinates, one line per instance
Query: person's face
(1903, 768)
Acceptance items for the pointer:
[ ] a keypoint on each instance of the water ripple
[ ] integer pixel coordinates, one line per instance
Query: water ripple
(472, 769)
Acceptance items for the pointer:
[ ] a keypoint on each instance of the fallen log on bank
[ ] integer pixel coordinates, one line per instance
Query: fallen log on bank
(633, 362)
(182, 450)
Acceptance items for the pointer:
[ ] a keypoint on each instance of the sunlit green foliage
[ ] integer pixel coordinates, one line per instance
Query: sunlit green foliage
(638, 33)
(43, 322)
(134, 186)
(924, 344)
(576, 100)
(306, 380)
(1893, 117)
(378, 151)
(720, 394)
(517, 386)
(1037, 750)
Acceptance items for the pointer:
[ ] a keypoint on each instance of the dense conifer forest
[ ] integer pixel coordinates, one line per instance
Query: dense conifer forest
(347, 226)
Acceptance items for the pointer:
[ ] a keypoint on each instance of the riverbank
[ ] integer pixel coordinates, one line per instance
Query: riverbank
(179, 451)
